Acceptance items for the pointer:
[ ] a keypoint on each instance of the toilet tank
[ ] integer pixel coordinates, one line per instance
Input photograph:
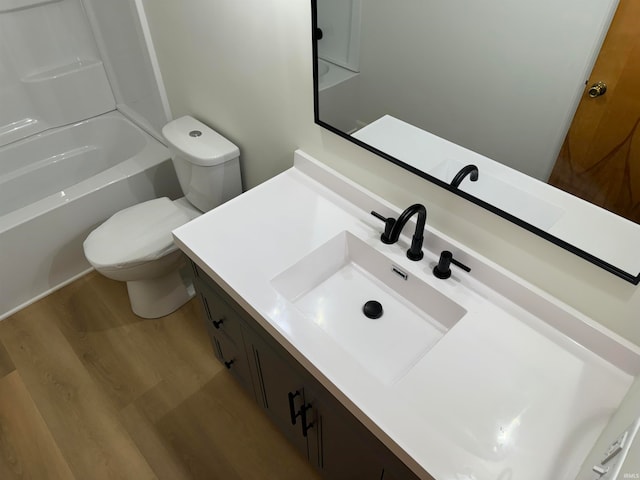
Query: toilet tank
(206, 163)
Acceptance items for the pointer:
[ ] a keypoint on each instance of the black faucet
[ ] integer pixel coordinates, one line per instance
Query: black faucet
(393, 228)
(470, 170)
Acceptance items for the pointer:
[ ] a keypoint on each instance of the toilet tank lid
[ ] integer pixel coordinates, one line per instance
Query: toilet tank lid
(198, 143)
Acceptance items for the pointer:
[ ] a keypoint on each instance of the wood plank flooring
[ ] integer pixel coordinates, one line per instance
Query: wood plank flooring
(90, 391)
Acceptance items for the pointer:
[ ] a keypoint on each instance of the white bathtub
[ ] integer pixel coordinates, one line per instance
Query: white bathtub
(55, 187)
(337, 96)
(330, 74)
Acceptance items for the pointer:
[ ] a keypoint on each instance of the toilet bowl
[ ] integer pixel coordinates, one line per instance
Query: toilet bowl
(135, 245)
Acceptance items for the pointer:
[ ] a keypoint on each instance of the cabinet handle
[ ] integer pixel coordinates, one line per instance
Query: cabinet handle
(218, 323)
(292, 407)
(303, 418)
(228, 364)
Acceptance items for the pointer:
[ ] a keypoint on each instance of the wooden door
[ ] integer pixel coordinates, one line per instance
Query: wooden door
(600, 158)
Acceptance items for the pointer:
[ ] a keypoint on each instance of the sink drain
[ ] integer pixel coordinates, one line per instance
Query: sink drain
(372, 309)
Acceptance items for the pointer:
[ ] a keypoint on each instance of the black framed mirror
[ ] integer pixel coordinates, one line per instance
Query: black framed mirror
(435, 87)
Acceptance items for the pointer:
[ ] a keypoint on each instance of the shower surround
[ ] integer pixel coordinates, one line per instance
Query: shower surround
(82, 107)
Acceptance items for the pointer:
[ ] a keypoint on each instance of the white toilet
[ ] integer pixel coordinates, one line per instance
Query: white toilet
(135, 245)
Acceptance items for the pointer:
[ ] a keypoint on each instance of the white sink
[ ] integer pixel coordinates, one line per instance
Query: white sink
(501, 193)
(331, 285)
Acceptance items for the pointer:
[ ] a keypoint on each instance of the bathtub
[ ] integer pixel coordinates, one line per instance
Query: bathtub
(55, 187)
(330, 74)
(338, 96)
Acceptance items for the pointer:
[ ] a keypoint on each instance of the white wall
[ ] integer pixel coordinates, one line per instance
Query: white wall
(245, 69)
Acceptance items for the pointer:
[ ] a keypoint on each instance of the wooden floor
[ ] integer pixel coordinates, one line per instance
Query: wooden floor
(89, 391)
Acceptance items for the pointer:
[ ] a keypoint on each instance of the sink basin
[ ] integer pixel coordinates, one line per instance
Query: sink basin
(502, 194)
(330, 286)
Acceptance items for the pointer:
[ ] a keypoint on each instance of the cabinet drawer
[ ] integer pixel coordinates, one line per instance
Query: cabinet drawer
(220, 317)
(233, 357)
(224, 326)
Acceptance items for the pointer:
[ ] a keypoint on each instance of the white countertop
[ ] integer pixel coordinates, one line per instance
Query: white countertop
(507, 393)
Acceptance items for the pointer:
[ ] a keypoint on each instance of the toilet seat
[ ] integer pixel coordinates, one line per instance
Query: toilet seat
(135, 235)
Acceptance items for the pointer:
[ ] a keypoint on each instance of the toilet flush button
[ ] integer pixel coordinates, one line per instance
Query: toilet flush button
(195, 133)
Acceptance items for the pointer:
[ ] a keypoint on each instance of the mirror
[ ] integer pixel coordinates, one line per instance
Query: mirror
(438, 86)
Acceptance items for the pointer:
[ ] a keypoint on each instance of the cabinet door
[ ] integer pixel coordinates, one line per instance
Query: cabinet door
(395, 469)
(346, 449)
(399, 471)
(282, 393)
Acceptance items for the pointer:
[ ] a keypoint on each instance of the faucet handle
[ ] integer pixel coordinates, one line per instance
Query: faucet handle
(388, 226)
(443, 270)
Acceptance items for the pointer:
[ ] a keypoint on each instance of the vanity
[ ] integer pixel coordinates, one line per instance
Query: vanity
(476, 376)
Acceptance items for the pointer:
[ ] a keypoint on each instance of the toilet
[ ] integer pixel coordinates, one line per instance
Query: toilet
(135, 245)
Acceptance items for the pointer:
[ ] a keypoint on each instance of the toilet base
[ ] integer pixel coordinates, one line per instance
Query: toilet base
(160, 296)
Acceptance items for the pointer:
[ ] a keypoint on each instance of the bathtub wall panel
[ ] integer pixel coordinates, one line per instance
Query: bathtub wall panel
(70, 93)
(51, 72)
(127, 56)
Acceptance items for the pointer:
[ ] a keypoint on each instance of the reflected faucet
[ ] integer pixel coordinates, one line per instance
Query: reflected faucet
(393, 228)
(470, 170)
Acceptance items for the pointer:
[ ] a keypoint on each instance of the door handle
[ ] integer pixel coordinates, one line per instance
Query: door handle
(597, 89)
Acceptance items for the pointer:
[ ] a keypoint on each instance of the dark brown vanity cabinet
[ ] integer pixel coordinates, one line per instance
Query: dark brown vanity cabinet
(315, 422)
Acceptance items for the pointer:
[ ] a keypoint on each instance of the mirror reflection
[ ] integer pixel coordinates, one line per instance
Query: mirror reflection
(523, 91)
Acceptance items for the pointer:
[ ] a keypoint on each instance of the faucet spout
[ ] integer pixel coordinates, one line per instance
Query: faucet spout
(470, 170)
(393, 229)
